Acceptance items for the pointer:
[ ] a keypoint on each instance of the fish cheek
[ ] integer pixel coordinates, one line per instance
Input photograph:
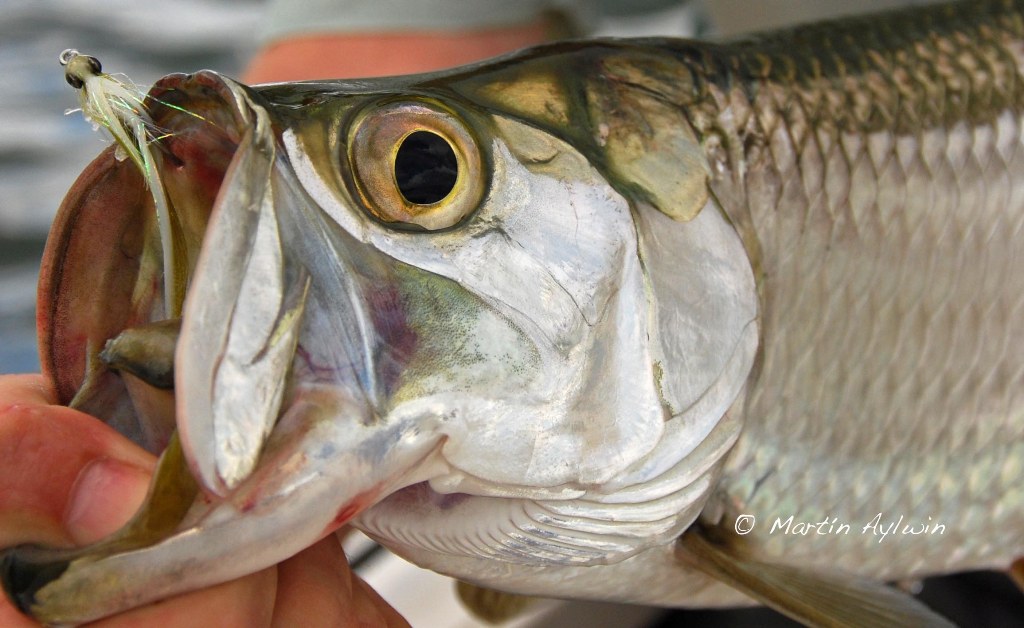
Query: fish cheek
(463, 346)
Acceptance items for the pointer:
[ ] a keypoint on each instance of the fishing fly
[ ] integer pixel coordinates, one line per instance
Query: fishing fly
(119, 106)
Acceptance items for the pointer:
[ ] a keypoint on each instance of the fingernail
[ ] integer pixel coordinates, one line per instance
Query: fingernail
(104, 497)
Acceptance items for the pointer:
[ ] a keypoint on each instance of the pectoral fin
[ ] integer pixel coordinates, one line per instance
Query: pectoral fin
(491, 606)
(1017, 573)
(813, 598)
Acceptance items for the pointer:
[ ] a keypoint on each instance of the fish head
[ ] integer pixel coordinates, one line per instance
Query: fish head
(424, 305)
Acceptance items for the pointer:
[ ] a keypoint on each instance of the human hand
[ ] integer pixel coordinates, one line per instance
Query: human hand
(68, 479)
(358, 55)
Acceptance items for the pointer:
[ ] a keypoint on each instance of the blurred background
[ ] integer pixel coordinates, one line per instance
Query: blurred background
(43, 149)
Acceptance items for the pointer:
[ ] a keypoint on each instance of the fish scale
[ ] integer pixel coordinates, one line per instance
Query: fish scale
(892, 342)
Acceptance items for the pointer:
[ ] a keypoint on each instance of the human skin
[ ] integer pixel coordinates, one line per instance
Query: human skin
(359, 55)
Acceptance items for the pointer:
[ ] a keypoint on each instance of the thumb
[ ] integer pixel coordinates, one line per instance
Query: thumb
(104, 497)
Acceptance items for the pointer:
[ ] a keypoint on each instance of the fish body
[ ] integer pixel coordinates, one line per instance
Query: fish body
(665, 286)
(877, 193)
(891, 297)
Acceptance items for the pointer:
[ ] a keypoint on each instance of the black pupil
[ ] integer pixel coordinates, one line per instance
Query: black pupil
(425, 168)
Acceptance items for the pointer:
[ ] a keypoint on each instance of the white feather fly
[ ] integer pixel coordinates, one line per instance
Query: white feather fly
(119, 106)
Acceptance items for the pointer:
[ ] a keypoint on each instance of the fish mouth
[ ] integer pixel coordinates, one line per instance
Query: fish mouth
(125, 248)
(102, 272)
(251, 342)
(274, 408)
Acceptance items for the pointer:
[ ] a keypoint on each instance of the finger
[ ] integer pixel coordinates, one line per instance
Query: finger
(43, 451)
(317, 588)
(313, 588)
(31, 388)
(386, 614)
(104, 497)
(242, 603)
(11, 618)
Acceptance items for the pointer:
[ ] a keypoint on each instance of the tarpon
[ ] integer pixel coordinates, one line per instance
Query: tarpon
(653, 321)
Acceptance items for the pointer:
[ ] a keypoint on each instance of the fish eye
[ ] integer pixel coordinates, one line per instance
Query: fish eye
(416, 165)
(426, 168)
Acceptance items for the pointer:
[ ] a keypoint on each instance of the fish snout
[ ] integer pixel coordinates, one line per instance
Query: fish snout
(26, 569)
